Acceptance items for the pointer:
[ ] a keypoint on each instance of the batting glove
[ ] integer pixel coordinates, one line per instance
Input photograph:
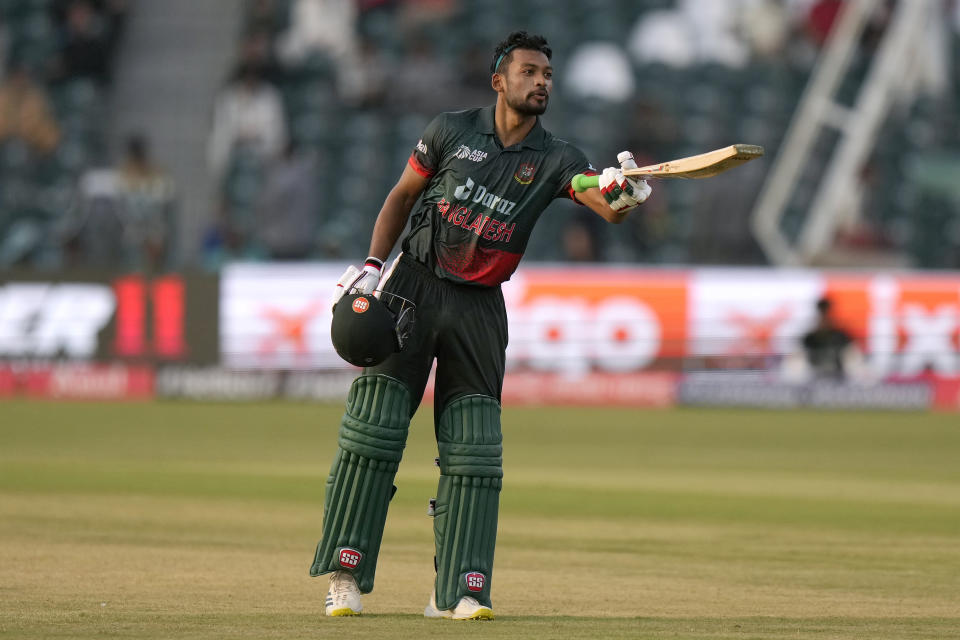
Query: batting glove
(620, 192)
(359, 280)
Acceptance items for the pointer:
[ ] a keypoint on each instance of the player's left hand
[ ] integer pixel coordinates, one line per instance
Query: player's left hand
(360, 280)
(620, 192)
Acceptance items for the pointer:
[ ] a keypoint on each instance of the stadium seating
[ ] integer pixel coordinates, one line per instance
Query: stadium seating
(362, 148)
(36, 191)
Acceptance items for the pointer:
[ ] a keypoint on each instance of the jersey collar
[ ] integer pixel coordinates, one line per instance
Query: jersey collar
(534, 140)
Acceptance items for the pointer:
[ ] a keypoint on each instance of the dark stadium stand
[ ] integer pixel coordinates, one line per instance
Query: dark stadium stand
(37, 186)
(703, 106)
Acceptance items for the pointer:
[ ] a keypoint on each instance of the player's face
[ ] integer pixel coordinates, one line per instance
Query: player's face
(529, 80)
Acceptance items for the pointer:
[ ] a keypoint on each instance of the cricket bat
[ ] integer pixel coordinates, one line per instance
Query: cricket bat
(704, 165)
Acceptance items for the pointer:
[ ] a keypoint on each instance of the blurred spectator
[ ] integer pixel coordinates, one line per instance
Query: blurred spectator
(25, 113)
(827, 345)
(85, 45)
(424, 81)
(263, 15)
(114, 12)
(362, 80)
(417, 16)
(93, 231)
(695, 32)
(473, 71)
(653, 132)
(147, 201)
(112, 15)
(600, 70)
(287, 209)
(720, 218)
(766, 27)
(857, 209)
(373, 5)
(716, 26)
(823, 14)
(581, 238)
(324, 26)
(821, 18)
(249, 111)
(256, 50)
(826, 352)
(4, 43)
(123, 216)
(662, 37)
(935, 57)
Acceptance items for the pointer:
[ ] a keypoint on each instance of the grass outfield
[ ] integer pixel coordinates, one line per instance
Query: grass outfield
(199, 521)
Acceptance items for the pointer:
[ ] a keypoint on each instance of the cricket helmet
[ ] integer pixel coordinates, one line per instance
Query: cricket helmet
(366, 328)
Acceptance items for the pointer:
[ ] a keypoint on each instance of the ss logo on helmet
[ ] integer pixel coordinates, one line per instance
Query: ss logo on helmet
(366, 329)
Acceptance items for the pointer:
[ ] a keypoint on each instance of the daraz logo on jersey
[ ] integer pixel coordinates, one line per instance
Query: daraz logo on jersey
(483, 197)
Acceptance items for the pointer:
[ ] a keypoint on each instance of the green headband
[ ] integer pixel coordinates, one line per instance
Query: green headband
(500, 59)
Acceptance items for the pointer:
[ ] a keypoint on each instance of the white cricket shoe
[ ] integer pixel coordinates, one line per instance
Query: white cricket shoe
(343, 598)
(467, 609)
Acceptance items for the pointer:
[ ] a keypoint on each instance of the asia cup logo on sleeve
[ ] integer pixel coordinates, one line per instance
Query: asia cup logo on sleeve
(360, 305)
(475, 581)
(350, 558)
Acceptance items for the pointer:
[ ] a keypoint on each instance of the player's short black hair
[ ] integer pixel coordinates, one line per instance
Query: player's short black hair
(518, 40)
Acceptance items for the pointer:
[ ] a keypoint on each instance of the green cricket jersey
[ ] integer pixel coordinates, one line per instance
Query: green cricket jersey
(482, 201)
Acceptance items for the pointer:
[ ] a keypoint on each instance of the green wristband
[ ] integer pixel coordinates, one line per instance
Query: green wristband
(581, 183)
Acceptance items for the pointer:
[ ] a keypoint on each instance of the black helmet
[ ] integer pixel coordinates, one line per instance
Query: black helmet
(367, 329)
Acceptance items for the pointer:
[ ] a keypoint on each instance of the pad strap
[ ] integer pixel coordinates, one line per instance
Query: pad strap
(468, 499)
(373, 433)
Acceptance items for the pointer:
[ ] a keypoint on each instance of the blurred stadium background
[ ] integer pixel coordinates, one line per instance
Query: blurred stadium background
(181, 181)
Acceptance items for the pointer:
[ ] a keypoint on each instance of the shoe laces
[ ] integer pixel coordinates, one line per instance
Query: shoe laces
(342, 583)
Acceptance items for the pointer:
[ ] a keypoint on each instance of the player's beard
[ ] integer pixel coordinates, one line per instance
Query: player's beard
(527, 107)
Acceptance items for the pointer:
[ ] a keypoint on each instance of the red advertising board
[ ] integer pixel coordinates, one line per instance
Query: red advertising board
(78, 381)
(574, 321)
(592, 335)
(609, 320)
(102, 316)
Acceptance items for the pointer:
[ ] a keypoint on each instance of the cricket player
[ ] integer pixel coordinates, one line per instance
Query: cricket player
(482, 178)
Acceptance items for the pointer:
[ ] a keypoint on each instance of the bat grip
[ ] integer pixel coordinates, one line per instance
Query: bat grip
(581, 183)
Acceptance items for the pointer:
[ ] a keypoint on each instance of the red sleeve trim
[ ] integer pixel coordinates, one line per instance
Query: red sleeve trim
(419, 168)
(573, 194)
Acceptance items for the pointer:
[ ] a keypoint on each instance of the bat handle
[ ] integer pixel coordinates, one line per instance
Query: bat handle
(581, 183)
(625, 158)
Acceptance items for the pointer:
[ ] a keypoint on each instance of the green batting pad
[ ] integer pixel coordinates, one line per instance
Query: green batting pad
(469, 439)
(468, 499)
(378, 414)
(373, 433)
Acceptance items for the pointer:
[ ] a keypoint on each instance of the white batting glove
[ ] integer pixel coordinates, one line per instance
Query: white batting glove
(620, 192)
(359, 280)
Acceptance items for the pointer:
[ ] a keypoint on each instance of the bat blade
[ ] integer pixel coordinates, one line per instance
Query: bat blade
(704, 165)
